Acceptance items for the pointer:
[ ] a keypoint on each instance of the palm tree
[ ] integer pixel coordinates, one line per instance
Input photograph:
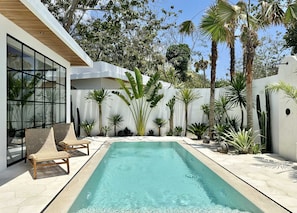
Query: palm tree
(99, 96)
(187, 96)
(170, 105)
(141, 99)
(160, 123)
(228, 16)
(217, 32)
(202, 65)
(252, 20)
(236, 93)
(116, 121)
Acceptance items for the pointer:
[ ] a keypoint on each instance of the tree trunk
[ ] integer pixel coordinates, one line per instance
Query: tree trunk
(232, 57)
(214, 56)
(186, 116)
(249, 84)
(232, 63)
(100, 119)
(171, 121)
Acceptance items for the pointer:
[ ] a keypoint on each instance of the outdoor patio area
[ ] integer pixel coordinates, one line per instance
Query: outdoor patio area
(271, 175)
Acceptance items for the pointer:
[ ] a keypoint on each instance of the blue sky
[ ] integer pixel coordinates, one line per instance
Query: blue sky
(194, 10)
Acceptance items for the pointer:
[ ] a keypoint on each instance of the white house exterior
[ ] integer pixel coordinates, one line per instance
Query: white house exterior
(102, 75)
(36, 53)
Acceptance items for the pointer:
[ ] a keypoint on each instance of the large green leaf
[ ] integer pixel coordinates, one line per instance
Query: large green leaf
(132, 84)
(139, 82)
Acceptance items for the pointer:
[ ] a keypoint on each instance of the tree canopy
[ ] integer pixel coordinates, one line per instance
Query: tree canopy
(179, 55)
(125, 33)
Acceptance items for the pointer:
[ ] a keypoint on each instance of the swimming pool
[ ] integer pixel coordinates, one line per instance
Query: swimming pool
(215, 192)
(156, 176)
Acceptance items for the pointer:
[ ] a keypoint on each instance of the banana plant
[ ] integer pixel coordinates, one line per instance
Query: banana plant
(140, 98)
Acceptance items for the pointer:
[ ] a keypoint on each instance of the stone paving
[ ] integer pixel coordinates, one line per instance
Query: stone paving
(271, 175)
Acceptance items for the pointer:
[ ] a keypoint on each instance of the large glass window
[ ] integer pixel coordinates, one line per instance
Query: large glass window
(36, 95)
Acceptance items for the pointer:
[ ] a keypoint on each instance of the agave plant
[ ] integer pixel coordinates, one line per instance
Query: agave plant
(197, 129)
(141, 99)
(243, 140)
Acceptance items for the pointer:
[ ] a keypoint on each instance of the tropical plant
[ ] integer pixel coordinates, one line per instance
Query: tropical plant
(187, 96)
(219, 130)
(289, 90)
(202, 65)
(99, 96)
(87, 126)
(197, 129)
(236, 93)
(211, 27)
(150, 132)
(115, 120)
(222, 105)
(105, 130)
(141, 99)
(170, 105)
(205, 109)
(160, 123)
(178, 130)
(243, 140)
(125, 132)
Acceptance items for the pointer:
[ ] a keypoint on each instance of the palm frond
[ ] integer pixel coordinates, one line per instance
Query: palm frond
(133, 84)
(289, 90)
(139, 81)
(187, 27)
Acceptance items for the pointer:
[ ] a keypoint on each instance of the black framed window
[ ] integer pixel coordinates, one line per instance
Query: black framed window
(36, 95)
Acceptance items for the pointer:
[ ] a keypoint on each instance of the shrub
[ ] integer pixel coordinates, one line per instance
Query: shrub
(178, 130)
(243, 140)
(197, 129)
(87, 126)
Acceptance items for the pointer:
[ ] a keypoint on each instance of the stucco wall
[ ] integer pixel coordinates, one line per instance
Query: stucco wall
(287, 123)
(114, 105)
(284, 128)
(9, 28)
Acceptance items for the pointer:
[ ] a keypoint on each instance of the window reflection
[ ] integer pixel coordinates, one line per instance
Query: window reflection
(36, 95)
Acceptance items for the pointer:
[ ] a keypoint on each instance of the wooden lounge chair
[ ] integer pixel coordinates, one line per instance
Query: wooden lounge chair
(42, 151)
(66, 138)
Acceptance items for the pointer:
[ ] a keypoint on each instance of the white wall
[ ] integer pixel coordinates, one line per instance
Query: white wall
(287, 123)
(114, 105)
(284, 128)
(9, 28)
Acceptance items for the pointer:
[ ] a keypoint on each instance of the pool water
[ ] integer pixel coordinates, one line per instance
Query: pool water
(156, 177)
